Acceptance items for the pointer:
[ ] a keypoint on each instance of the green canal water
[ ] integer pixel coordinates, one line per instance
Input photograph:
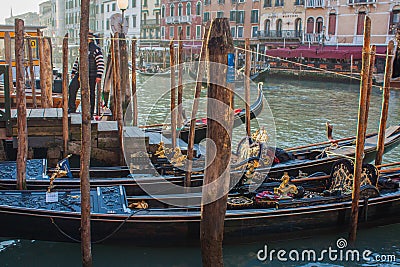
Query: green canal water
(300, 110)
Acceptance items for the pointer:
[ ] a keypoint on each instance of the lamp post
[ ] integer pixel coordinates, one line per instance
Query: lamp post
(122, 5)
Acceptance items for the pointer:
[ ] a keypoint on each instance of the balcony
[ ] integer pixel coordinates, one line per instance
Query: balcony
(316, 3)
(361, 2)
(150, 23)
(177, 19)
(280, 35)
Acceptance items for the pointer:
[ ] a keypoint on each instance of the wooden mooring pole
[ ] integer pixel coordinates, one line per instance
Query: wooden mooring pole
(32, 73)
(192, 129)
(65, 94)
(180, 80)
(385, 104)
(134, 95)
(361, 129)
(173, 91)
(86, 144)
(371, 63)
(219, 122)
(247, 85)
(21, 105)
(118, 96)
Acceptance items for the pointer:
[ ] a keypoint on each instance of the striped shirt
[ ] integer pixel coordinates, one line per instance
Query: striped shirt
(98, 70)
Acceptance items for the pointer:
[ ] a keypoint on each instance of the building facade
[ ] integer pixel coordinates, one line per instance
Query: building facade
(151, 20)
(46, 18)
(30, 19)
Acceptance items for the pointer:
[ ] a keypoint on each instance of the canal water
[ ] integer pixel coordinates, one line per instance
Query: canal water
(300, 110)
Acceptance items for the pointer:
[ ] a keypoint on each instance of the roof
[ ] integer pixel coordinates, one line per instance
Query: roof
(336, 52)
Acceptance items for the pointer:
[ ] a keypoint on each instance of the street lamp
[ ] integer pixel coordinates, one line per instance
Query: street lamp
(122, 5)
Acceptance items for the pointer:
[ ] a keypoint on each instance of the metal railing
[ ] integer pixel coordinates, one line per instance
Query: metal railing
(316, 3)
(279, 34)
(177, 19)
(361, 2)
(150, 22)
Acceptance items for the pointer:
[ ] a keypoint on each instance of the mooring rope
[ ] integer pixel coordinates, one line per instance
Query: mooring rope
(100, 240)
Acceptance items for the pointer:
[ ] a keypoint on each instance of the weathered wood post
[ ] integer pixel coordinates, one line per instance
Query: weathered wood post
(65, 94)
(370, 81)
(86, 135)
(21, 105)
(7, 52)
(173, 91)
(180, 78)
(124, 71)
(219, 122)
(46, 73)
(114, 79)
(385, 104)
(134, 95)
(42, 72)
(32, 72)
(247, 85)
(361, 129)
(118, 96)
(192, 129)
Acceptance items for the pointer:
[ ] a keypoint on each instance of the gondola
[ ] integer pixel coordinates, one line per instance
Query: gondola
(157, 74)
(201, 124)
(303, 161)
(250, 217)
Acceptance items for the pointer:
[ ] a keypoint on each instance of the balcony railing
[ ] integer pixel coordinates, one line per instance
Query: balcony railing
(279, 34)
(361, 2)
(150, 22)
(315, 3)
(177, 19)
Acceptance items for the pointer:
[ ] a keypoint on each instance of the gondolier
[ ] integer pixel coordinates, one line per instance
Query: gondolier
(96, 69)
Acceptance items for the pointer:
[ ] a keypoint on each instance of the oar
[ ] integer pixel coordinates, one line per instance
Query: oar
(326, 142)
(390, 170)
(307, 179)
(388, 164)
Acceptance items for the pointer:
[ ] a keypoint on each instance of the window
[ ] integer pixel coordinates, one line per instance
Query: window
(267, 3)
(127, 21)
(232, 15)
(267, 28)
(220, 14)
(206, 16)
(279, 2)
(171, 10)
(240, 17)
(319, 25)
(157, 18)
(221, 2)
(298, 27)
(144, 18)
(310, 25)
(332, 23)
(279, 28)
(180, 9)
(163, 11)
(102, 8)
(133, 3)
(171, 32)
(198, 9)
(144, 3)
(188, 32)
(163, 32)
(107, 25)
(180, 31)
(233, 32)
(254, 31)
(254, 16)
(108, 8)
(113, 7)
(198, 31)
(360, 23)
(240, 32)
(394, 19)
(134, 21)
(188, 9)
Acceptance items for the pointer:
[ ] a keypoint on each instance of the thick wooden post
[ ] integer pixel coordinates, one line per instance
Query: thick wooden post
(124, 71)
(46, 72)
(134, 95)
(21, 105)
(7, 51)
(361, 129)
(115, 78)
(385, 104)
(118, 96)
(65, 94)
(173, 91)
(180, 78)
(32, 73)
(86, 135)
(247, 85)
(370, 81)
(219, 122)
(192, 129)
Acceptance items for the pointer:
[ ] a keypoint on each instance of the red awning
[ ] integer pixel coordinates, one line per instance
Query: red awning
(336, 52)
